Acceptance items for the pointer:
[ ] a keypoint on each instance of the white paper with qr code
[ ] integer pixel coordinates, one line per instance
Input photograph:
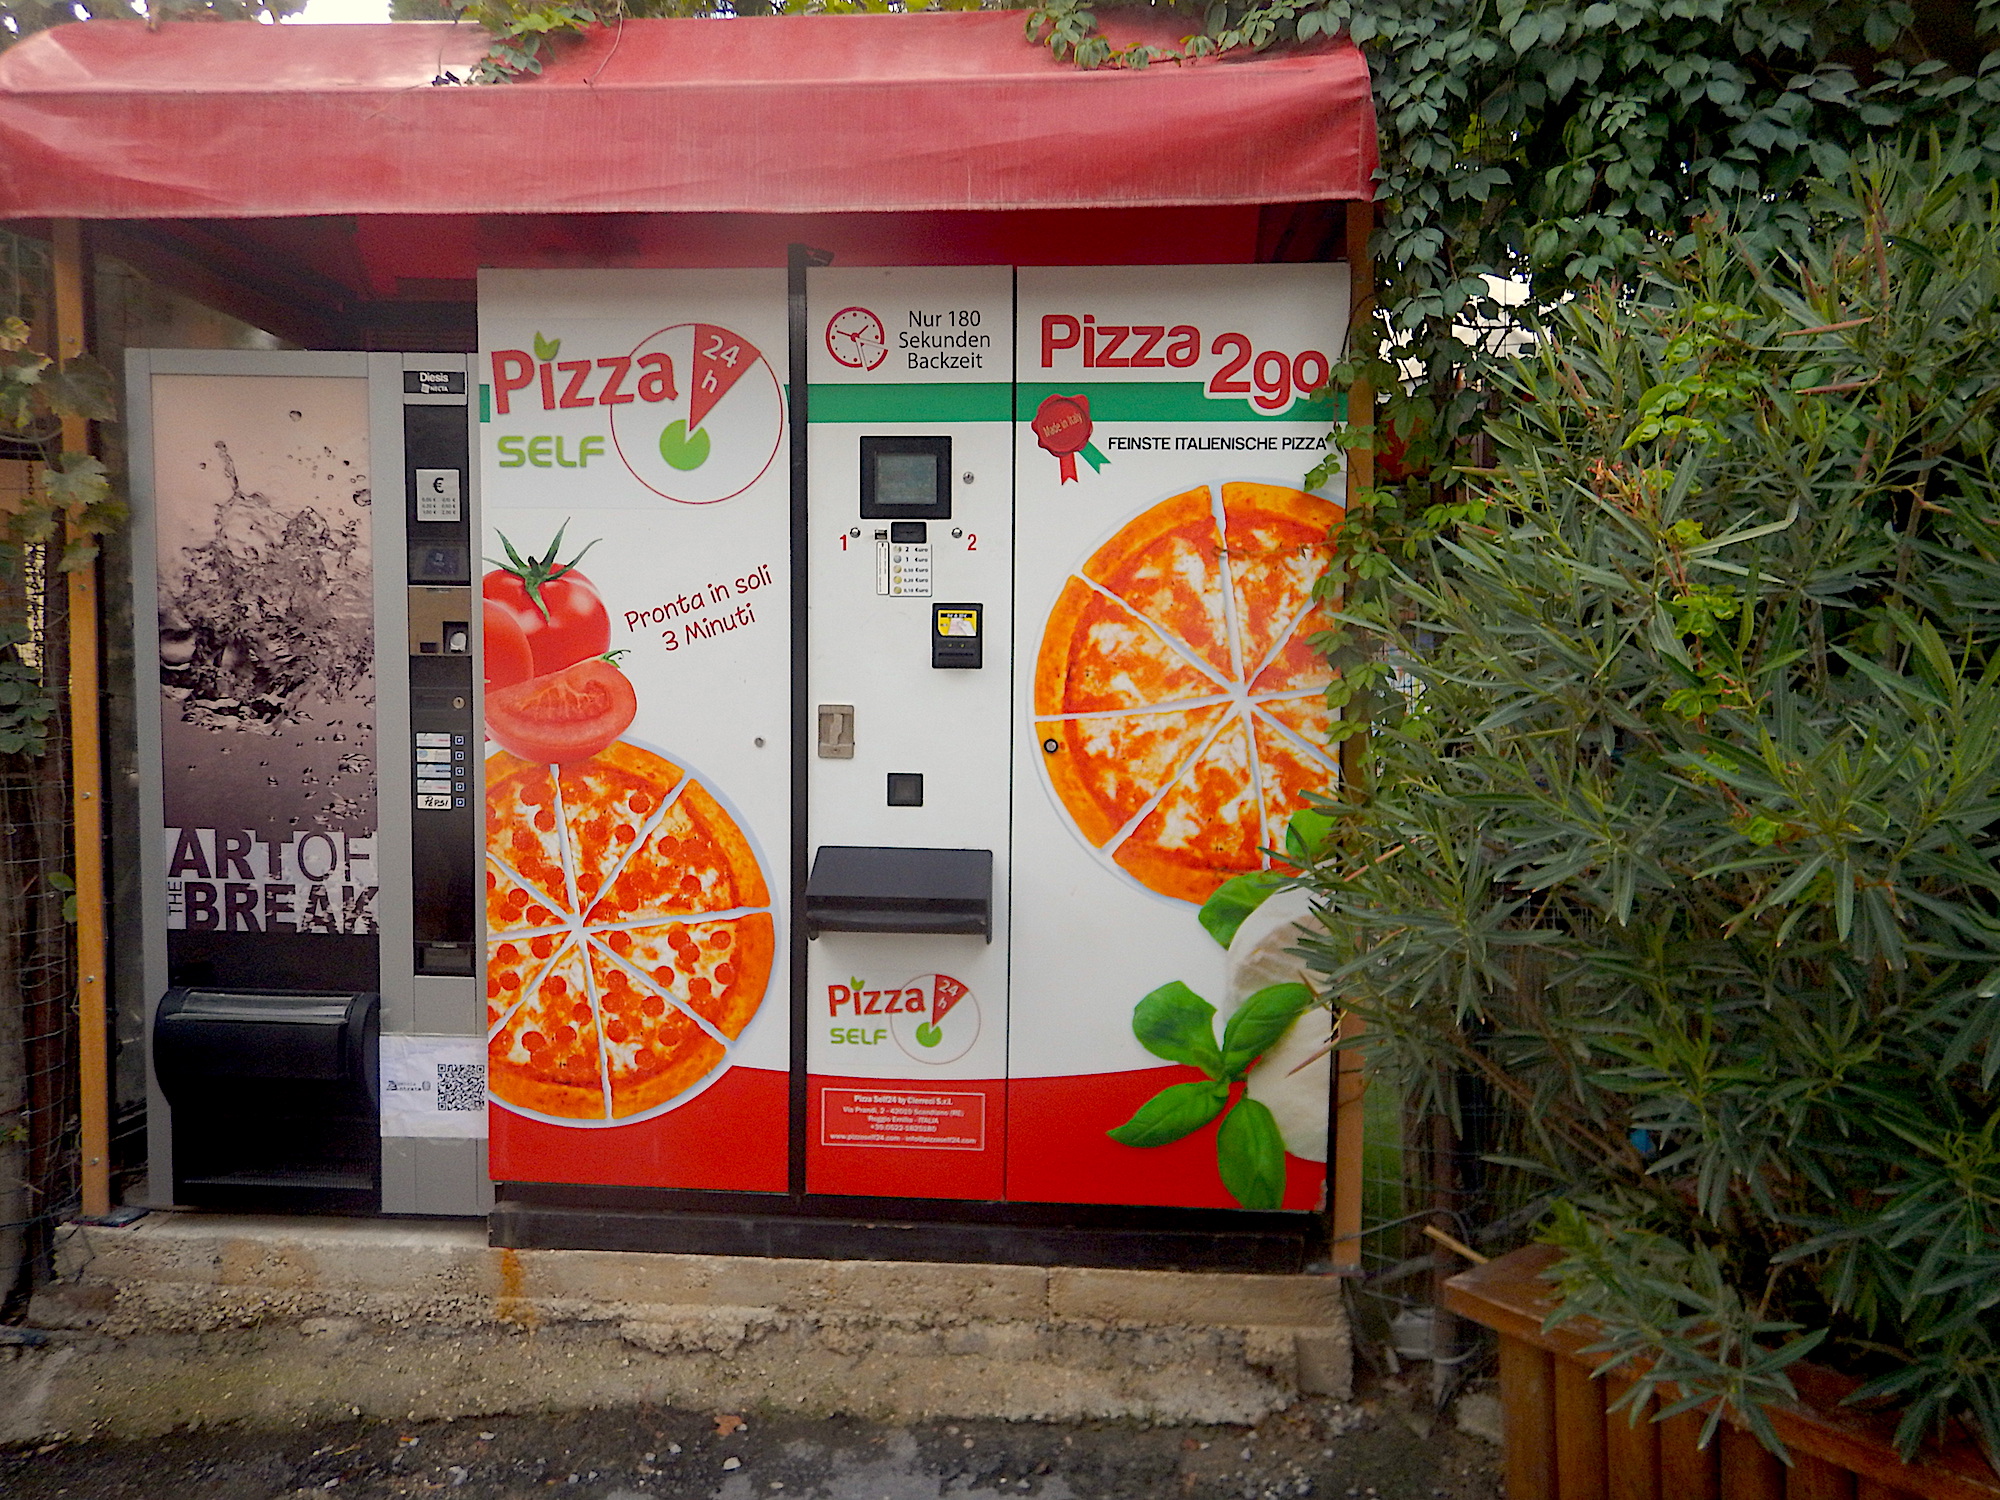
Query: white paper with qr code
(434, 1086)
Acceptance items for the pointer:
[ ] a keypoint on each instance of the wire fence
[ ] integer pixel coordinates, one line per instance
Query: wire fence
(40, 1154)
(1420, 1170)
(39, 1142)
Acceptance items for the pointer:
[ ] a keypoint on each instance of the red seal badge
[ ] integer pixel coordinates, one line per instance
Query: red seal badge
(1062, 427)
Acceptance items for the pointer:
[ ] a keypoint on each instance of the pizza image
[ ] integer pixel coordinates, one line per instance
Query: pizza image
(1179, 706)
(629, 931)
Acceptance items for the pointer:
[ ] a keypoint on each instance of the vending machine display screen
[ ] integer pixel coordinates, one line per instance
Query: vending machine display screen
(906, 479)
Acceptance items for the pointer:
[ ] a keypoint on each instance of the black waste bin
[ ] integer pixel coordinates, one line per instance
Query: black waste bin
(274, 1096)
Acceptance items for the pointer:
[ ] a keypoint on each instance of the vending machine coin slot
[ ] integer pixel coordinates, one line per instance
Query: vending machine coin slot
(956, 637)
(902, 568)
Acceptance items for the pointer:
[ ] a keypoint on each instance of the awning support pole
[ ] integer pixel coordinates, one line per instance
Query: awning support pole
(1344, 1193)
(86, 772)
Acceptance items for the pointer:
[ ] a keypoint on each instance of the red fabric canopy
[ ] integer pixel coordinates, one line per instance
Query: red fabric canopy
(799, 114)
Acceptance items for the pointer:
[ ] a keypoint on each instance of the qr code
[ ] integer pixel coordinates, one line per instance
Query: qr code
(461, 1087)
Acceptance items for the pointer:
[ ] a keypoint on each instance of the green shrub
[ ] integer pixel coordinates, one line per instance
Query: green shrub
(1678, 825)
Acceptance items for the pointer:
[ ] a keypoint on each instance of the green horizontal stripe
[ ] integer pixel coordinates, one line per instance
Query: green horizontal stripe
(913, 403)
(1110, 401)
(1175, 401)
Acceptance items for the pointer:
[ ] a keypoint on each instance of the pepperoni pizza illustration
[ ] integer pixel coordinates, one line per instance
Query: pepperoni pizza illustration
(1179, 705)
(630, 931)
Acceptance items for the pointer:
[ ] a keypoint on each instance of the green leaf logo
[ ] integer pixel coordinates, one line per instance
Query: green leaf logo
(1250, 1154)
(928, 1035)
(1175, 1111)
(1175, 1023)
(547, 349)
(1258, 1024)
(1233, 901)
(682, 449)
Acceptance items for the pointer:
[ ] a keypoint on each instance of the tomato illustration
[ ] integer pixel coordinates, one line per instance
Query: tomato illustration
(565, 716)
(508, 659)
(556, 607)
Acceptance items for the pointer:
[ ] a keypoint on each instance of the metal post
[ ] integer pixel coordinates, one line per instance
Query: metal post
(1344, 1192)
(798, 258)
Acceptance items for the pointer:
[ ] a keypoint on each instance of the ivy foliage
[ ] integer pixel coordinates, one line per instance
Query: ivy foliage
(67, 503)
(21, 18)
(525, 31)
(70, 497)
(1553, 143)
(1683, 819)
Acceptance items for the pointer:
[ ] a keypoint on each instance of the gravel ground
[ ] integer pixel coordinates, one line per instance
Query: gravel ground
(1378, 1448)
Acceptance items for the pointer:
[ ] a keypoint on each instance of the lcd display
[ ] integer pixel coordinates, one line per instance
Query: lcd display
(905, 481)
(906, 478)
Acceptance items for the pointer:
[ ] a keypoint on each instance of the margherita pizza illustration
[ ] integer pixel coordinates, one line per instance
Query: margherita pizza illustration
(630, 933)
(1179, 705)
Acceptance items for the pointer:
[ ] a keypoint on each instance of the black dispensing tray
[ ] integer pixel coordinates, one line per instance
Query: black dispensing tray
(274, 1098)
(856, 888)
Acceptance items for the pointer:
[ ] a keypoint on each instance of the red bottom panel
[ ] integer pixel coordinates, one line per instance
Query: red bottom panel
(900, 1139)
(1057, 1151)
(731, 1136)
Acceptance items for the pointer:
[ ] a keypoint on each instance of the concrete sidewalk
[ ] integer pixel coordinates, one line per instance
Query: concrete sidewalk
(194, 1319)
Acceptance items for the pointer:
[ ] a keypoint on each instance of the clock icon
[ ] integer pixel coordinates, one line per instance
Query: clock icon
(854, 337)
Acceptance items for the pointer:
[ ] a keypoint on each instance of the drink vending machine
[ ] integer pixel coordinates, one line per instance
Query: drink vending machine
(303, 568)
(879, 669)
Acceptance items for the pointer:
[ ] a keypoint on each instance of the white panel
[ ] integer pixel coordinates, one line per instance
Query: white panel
(942, 336)
(1090, 939)
(648, 427)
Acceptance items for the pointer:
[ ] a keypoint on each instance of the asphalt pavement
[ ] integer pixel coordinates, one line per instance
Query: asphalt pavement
(1378, 1448)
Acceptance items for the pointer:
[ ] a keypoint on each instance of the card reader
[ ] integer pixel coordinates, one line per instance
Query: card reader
(955, 635)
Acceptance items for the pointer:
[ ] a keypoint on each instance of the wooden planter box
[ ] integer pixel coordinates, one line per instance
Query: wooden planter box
(1563, 1445)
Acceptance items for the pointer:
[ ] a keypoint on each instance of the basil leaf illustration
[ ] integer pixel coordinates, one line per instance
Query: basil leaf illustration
(547, 349)
(1222, 913)
(1306, 834)
(1260, 1021)
(1175, 1023)
(1173, 1112)
(1250, 1154)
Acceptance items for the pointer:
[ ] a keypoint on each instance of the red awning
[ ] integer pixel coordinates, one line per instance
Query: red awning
(798, 114)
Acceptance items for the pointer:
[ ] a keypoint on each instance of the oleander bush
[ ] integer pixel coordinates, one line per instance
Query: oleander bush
(1679, 826)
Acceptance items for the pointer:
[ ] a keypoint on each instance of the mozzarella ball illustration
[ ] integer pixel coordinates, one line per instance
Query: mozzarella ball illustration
(1257, 959)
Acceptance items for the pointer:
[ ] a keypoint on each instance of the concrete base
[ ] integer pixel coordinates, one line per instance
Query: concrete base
(191, 1319)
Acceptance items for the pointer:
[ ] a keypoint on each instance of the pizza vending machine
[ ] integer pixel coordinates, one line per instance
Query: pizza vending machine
(882, 668)
(869, 674)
